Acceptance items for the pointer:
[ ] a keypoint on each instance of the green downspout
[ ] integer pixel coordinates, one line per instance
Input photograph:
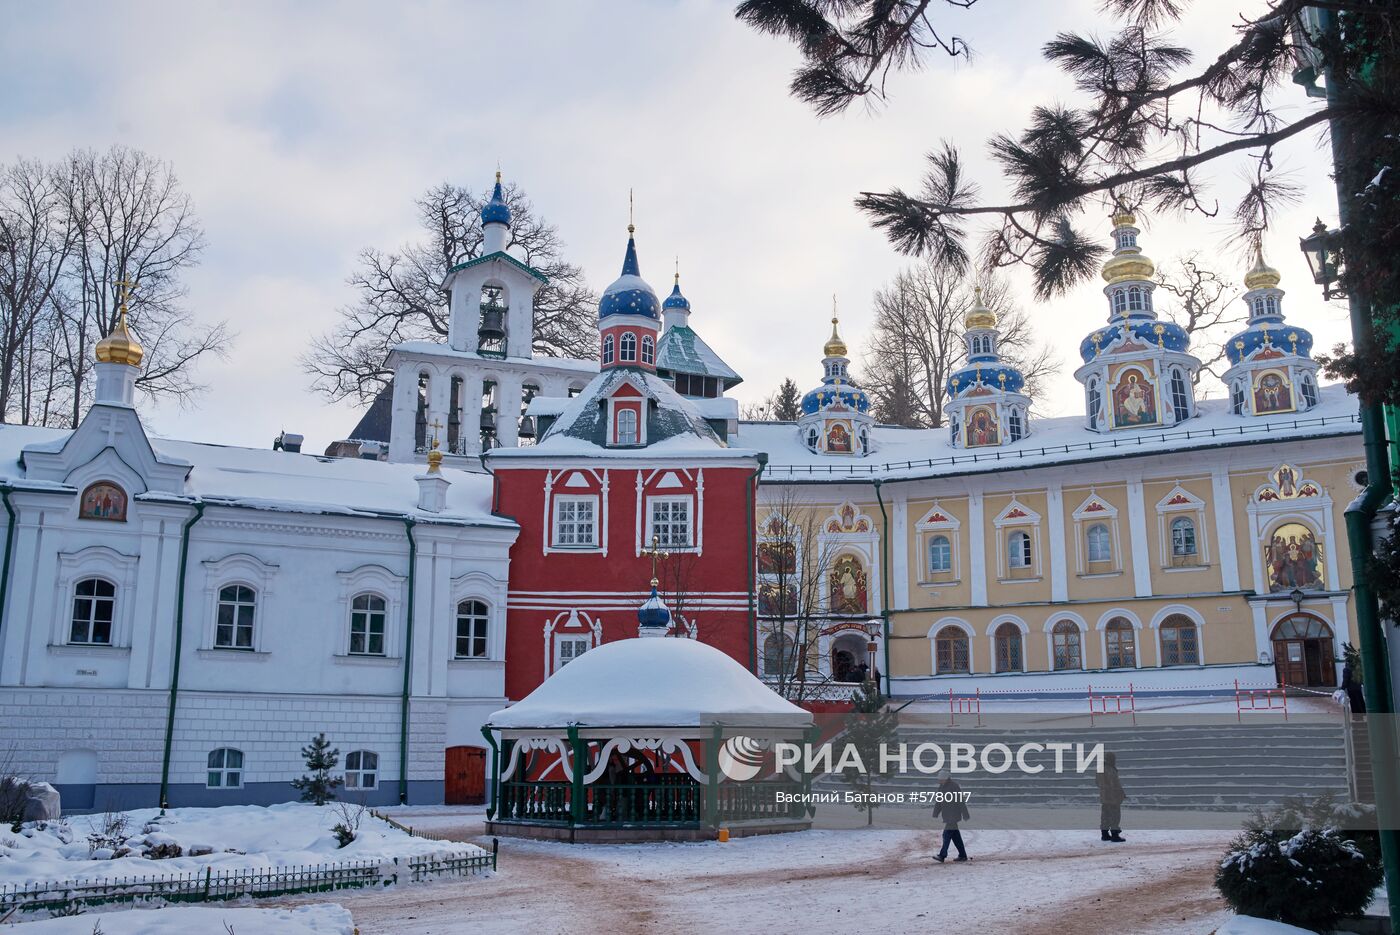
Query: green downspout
(5, 491)
(495, 770)
(408, 524)
(884, 578)
(749, 491)
(179, 642)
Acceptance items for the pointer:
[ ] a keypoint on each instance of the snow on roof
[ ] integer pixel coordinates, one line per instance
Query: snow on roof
(718, 407)
(681, 350)
(654, 682)
(433, 349)
(908, 453)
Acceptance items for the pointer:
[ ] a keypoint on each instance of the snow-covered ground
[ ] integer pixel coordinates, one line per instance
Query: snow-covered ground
(201, 920)
(238, 837)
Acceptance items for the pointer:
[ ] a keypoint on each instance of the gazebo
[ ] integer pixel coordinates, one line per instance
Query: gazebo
(646, 739)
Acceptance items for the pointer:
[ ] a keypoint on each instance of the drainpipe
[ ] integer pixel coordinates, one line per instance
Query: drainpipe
(5, 491)
(495, 770)
(179, 642)
(884, 578)
(750, 490)
(408, 524)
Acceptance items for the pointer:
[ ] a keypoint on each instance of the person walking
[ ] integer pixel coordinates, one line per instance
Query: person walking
(1111, 798)
(952, 809)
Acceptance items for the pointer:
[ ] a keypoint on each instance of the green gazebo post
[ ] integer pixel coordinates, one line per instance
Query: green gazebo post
(576, 800)
(712, 775)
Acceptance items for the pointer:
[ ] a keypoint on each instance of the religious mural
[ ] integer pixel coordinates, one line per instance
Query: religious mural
(777, 558)
(982, 428)
(103, 500)
(1286, 483)
(775, 601)
(838, 438)
(1134, 400)
(1272, 393)
(1293, 559)
(848, 586)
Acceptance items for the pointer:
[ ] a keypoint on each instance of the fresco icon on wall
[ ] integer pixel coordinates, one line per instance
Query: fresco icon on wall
(103, 500)
(1293, 559)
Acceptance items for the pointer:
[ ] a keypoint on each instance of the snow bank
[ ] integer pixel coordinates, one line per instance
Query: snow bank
(241, 837)
(655, 682)
(321, 919)
(1249, 925)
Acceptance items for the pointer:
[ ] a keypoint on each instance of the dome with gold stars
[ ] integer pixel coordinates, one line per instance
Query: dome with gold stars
(836, 390)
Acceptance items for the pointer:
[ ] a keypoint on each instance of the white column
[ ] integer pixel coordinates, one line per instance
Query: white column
(403, 412)
(899, 537)
(1059, 575)
(520, 318)
(473, 385)
(1137, 536)
(508, 410)
(1226, 546)
(977, 548)
(439, 399)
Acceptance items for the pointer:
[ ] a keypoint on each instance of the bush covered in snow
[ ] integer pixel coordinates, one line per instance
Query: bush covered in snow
(14, 793)
(1295, 866)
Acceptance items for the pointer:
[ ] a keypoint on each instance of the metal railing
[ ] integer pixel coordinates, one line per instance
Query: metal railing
(670, 802)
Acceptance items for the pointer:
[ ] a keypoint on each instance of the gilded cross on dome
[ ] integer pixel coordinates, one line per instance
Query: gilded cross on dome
(1159, 329)
(656, 554)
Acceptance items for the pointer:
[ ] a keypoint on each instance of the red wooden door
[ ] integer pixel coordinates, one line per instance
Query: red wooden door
(464, 779)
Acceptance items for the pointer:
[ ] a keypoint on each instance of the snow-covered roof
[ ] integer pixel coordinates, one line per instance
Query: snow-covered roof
(433, 349)
(899, 453)
(656, 682)
(719, 407)
(681, 350)
(262, 478)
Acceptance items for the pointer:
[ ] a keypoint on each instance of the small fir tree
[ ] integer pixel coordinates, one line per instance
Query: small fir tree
(869, 726)
(319, 787)
(787, 402)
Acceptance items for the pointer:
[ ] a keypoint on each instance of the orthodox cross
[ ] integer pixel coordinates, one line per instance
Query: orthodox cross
(437, 427)
(656, 553)
(113, 428)
(126, 287)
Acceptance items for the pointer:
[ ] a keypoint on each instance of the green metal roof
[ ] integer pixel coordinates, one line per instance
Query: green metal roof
(500, 255)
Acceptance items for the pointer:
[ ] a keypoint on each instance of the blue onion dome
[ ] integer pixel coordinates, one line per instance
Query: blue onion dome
(653, 612)
(1132, 336)
(834, 395)
(675, 299)
(629, 294)
(496, 211)
(1279, 337)
(996, 377)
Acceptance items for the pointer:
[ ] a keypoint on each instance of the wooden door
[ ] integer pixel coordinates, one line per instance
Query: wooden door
(464, 779)
(1289, 656)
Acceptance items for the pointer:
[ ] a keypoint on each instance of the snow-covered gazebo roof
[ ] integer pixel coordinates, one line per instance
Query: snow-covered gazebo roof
(653, 683)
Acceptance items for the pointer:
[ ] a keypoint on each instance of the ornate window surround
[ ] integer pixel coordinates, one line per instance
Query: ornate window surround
(373, 579)
(1017, 517)
(251, 571)
(1095, 509)
(95, 561)
(939, 521)
(1177, 503)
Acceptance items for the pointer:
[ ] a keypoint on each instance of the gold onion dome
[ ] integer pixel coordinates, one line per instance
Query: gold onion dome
(434, 458)
(1262, 275)
(835, 347)
(979, 316)
(120, 346)
(1127, 263)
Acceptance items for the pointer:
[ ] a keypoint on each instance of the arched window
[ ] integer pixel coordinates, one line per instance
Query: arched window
(225, 769)
(779, 655)
(951, 651)
(1008, 648)
(1120, 302)
(1015, 425)
(627, 426)
(1181, 397)
(1179, 644)
(1257, 306)
(1100, 543)
(1018, 550)
(1237, 398)
(813, 438)
(1121, 644)
(1125, 239)
(607, 348)
(648, 350)
(627, 349)
(940, 555)
(472, 623)
(1068, 651)
(1136, 299)
(362, 769)
(1309, 390)
(1183, 537)
(94, 604)
(367, 614)
(237, 609)
(1093, 403)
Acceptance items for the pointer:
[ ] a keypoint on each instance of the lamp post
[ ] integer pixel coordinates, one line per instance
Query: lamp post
(1296, 596)
(1322, 248)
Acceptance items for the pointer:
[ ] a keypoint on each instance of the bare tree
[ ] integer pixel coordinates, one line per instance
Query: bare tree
(1205, 306)
(400, 295)
(917, 342)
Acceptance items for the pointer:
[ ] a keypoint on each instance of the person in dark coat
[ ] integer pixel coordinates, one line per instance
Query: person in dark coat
(1352, 686)
(952, 810)
(1111, 798)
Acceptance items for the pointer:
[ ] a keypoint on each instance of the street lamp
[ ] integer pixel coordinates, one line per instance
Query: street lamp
(1323, 249)
(1296, 596)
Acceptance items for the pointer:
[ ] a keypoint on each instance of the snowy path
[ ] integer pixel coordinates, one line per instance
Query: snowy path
(1017, 883)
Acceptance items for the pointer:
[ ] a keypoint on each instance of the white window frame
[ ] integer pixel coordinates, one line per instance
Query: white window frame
(651, 524)
(570, 639)
(627, 348)
(1025, 556)
(240, 568)
(1307, 389)
(1189, 523)
(1103, 543)
(224, 770)
(948, 554)
(95, 561)
(556, 522)
(621, 436)
(356, 771)
(369, 614)
(608, 348)
(484, 618)
(91, 619)
(1181, 401)
(237, 603)
(648, 349)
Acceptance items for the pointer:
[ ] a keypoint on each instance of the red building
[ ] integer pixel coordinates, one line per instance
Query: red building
(631, 483)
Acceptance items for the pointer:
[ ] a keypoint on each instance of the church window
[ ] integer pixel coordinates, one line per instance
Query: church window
(1121, 644)
(1008, 648)
(225, 769)
(627, 427)
(569, 648)
(864, 442)
(1237, 398)
(648, 350)
(668, 521)
(472, 621)
(575, 522)
(1015, 425)
(1137, 298)
(1067, 645)
(1179, 644)
(1094, 402)
(1125, 239)
(94, 601)
(940, 555)
(362, 769)
(1120, 302)
(1309, 390)
(951, 653)
(1100, 543)
(1018, 550)
(779, 655)
(813, 437)
(627, 347)
(1181, 397)
(367, 614)
(1183, 537)
(607, 349)
(234, 625)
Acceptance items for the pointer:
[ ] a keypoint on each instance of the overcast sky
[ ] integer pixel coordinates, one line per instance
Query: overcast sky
(304, 132)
